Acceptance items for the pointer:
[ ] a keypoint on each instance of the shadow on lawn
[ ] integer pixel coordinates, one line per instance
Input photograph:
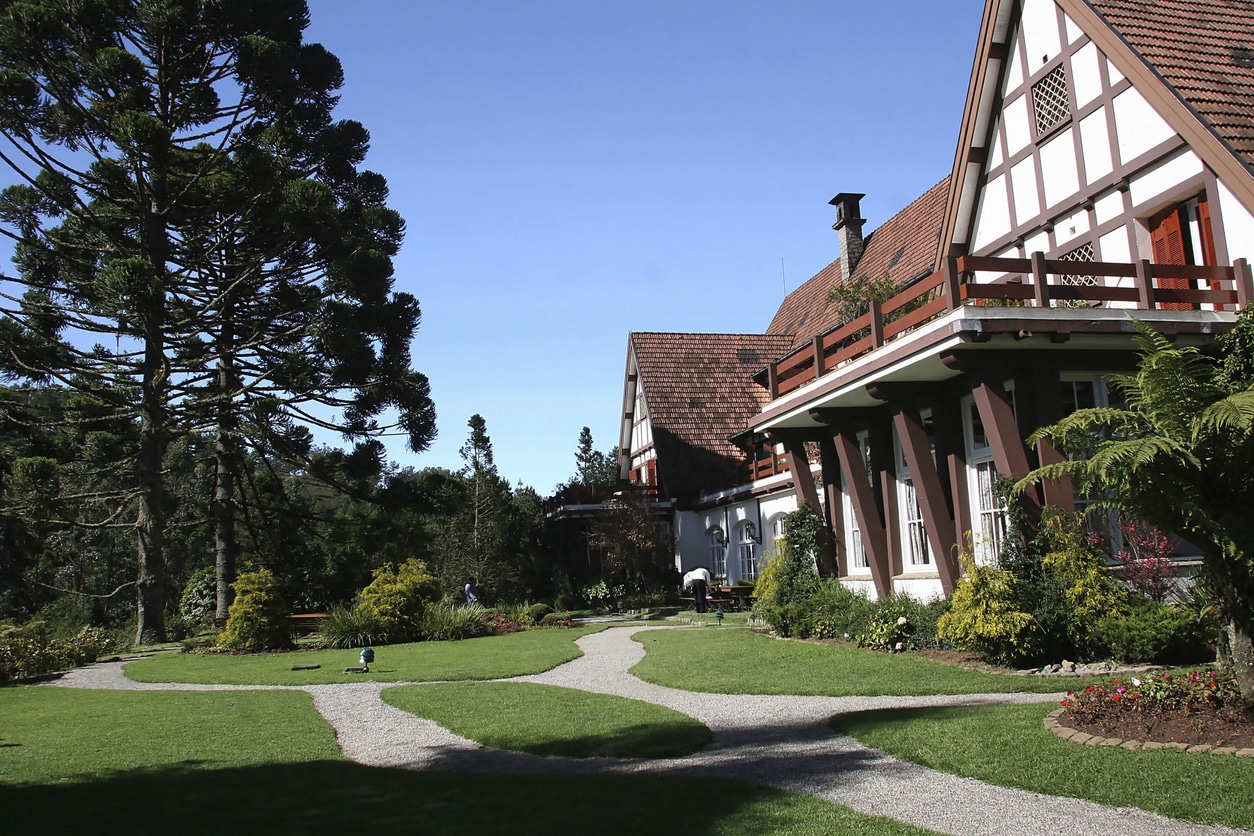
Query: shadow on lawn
(330, 797)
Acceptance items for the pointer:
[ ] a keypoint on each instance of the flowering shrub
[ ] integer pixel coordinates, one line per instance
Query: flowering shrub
(502, 624)
(1147, 565)
(1156, 692)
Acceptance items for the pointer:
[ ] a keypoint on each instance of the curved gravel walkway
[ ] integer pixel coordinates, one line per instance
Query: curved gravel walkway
(780, 741)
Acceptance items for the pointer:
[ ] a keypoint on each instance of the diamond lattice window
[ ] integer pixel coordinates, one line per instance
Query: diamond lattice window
(1084, 252)
(1049, 99)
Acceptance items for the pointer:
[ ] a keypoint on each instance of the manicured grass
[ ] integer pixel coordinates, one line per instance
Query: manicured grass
(547, 720)
(727, 660)
(1008, 745)
(197, 763)
(490, 657)
(61, 734)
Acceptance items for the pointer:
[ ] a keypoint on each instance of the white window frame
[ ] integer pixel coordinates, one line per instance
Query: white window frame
(718, 553)
(746, 553)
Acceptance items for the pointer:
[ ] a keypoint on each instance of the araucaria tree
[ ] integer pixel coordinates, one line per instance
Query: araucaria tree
(1180, 456)
(194, 244)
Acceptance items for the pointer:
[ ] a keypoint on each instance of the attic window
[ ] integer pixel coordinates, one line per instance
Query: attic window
(1049, 99)
(748, 356)
(1243, 56)
(897, 257)
(696, 403)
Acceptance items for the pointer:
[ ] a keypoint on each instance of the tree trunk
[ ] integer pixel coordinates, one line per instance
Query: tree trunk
(1240, 657)
(224, 547)
(150, 521)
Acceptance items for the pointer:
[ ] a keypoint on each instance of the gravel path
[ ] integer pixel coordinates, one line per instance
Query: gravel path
(776, 740)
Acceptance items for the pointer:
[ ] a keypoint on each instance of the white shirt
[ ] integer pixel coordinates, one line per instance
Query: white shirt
(700, 573)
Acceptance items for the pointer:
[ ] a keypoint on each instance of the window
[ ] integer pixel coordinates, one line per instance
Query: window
(1182, 235)
(1050, 104)
(916, 551)
(746, 552)
(718, 552)
(988, 512)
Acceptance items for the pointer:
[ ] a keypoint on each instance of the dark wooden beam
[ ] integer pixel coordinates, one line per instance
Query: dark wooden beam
(937, 518)
(1009, 455)
(835, 505)
(808, 495)
(861, 497)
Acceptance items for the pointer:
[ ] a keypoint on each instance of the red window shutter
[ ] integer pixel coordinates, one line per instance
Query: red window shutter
(1167, 237)
(1208, 233)
(651, 479)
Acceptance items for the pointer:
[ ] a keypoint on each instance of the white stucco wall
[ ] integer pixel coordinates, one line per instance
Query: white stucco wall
(1238, 226)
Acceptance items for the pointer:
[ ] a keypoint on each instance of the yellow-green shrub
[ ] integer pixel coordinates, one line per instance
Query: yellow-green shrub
(984, 615)
(258, 617)
(397, 599)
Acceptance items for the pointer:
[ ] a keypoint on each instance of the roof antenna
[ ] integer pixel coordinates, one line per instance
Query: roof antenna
(783, 278)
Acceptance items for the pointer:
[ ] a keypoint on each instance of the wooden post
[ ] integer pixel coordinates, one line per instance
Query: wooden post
(1144, 285)
(877, 323)
(818, 356)
(1040, 280)
(772, 379)
(952, 279)
(1244, 282)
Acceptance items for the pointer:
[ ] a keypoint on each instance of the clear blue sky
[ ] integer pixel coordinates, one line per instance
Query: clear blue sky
(572, 170)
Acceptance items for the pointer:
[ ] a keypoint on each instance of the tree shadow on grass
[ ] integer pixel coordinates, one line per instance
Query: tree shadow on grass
(331, 797)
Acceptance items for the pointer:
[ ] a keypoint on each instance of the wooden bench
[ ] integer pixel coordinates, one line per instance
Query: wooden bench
(307, 623)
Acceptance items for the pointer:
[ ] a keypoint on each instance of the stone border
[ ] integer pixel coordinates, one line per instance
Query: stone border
(1052, 725)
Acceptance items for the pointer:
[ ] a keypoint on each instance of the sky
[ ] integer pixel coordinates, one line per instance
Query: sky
(571, 171)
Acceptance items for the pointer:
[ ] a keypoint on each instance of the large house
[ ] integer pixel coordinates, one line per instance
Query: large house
(1102, 175)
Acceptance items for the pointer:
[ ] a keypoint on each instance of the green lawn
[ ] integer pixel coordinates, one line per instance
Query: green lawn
(547, 720)
(1008, 745)
(77, 761)
(727, 660)
(490, 657)
(53, 735)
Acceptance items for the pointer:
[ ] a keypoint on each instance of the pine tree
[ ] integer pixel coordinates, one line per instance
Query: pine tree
(181, 184)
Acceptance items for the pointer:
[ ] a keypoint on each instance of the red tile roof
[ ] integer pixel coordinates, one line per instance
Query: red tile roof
(904, 247)
(1204, 49)
(699, 394)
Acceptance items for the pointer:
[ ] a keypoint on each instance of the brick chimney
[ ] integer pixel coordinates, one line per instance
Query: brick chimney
(849, 223)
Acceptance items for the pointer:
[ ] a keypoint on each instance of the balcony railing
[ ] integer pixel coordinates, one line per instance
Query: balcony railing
(1034, 282)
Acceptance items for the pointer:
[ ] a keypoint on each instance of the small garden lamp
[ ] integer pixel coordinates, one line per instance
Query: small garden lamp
(367, 656)
(718, 615)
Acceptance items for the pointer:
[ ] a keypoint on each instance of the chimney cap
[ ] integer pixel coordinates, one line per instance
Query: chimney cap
(847, 209)
(846, 197)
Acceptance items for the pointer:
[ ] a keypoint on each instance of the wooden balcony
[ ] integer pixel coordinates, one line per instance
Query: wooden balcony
(1029, 283)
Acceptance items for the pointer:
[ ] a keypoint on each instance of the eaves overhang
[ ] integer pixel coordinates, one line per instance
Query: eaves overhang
(934, 352)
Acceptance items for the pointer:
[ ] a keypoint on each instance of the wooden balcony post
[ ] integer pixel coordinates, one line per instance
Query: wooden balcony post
(952, 279)
(772, 379)
(1040, 280)
(1144, 285)
(1244, 282)
(818, 356)
(877, 323)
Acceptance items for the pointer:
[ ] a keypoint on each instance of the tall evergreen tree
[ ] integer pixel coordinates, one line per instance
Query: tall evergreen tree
(180, 183)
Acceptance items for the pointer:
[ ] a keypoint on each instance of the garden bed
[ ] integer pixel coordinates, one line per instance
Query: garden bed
(1207, 727)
